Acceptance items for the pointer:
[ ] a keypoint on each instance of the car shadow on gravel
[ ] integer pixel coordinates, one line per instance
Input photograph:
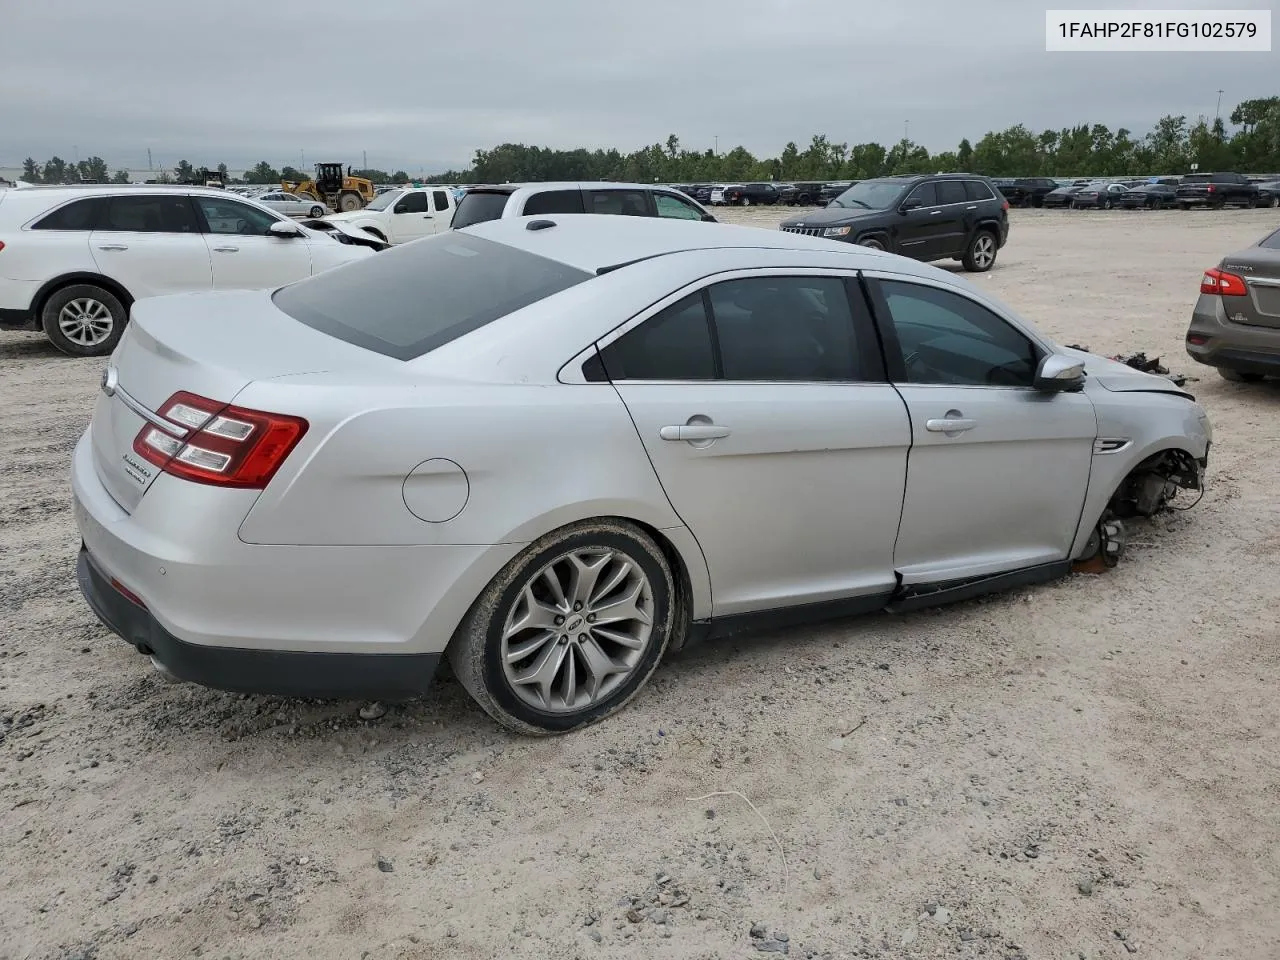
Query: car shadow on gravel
(35, 347)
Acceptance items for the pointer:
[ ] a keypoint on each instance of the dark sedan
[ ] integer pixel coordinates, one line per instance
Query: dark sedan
(1101, 194)
(1062, 197)
(1148, 196)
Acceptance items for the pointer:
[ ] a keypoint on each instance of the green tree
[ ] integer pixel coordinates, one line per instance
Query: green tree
(964, 155)
(400, 177)
(55, 171)
(263, 172)
(121, 176)
(95, 168)
(222, 172)
(31, 172)
(183, 171)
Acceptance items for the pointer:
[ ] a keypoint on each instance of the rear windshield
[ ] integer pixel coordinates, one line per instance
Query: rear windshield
(407, 301)
(479, 206)
(1272, 242)
(1198, 178)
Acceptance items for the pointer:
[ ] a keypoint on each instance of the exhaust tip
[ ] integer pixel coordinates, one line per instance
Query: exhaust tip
(164, 672)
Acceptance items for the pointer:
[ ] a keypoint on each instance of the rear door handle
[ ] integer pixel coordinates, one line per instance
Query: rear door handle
(113, 246)
(694, 431)
(971, 208)
(950, 425)
(934, 213)
(227, 249)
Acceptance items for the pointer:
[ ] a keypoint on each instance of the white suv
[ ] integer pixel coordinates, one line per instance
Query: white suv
(73, 259)
(480, 204)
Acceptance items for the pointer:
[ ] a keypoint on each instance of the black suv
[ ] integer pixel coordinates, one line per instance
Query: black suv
(1216, 190)
(956, 215)
(1026, 191)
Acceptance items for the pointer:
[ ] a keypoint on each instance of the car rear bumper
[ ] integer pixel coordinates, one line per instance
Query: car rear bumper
(282, 673)
(298, 620)
(1247, 348)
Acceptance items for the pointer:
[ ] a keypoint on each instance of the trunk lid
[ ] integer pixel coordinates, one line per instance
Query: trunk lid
(1259, 267)
(210, 344)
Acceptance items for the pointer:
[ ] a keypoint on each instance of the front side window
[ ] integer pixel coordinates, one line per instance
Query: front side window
(946, 338)
(164, 213)
(926, 194)
(228, 216)
(412, 203)
(78, 215)
(673, 207)
(409, 300)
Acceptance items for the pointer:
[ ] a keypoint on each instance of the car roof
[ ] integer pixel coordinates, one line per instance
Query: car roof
(598, 244)
(538, 186)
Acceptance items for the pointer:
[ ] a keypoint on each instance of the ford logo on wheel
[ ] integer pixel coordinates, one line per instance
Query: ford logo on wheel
(110, 379)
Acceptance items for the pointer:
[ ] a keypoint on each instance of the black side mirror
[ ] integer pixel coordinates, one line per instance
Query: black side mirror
(911, 203)
(401, 207)
(708, 218)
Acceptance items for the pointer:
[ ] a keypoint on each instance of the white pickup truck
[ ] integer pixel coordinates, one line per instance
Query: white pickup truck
(399, 216)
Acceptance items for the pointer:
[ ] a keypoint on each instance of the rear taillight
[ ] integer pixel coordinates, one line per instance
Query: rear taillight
(226, 446)
(1223, 284)
(1209, 189)
(1, 244)
(1005, 205)
(1197, 339)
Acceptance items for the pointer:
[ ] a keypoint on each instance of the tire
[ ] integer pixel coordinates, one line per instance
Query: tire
(1235, 376)
(980, 255)
(1184, 206)
(479, 654)
(84, 320)
(317, 213)
(871, 243)
(349, 201)
(746, 201)
(1107, 204)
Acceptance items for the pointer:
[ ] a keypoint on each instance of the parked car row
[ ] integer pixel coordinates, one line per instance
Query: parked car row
(1215, 190)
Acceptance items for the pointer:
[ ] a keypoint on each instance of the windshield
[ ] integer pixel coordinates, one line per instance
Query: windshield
(384, 200)
(870, 195)
(411, 299)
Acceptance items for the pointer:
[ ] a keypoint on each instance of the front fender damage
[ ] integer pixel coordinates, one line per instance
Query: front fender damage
(1148, 490)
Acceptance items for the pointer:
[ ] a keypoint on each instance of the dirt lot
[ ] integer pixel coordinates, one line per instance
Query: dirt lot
(1082, 770)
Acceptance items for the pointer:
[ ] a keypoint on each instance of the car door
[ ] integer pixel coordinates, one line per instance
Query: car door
(441, 212)
(761, 403)
(957, 218)
(411, 217)
(245, 256)
(918, 226)
(998, 470)
(674, 207)
(151, 244)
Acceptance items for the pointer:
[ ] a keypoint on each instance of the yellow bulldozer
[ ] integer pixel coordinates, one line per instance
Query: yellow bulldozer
(331, 186)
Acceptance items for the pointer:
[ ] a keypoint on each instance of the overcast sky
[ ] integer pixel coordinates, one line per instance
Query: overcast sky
(420, 87)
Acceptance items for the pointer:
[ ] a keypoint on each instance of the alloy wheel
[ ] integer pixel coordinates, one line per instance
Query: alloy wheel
(984, 251)
(86, 322)
(578, 629)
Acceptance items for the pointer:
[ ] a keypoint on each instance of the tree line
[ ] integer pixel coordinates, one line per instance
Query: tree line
(1173, 146)
(55, 170)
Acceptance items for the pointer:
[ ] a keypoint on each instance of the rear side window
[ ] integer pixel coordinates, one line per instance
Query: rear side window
(441, 198)
(409, 300)
(479, 206)
(950, 191)
(163, 213)
(977, 190)
(554, 201)
(1272, 242)
(674, 344)
(626, 203)
(79, 215)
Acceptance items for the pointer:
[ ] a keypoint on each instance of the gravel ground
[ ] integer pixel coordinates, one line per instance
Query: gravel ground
(1082, 770)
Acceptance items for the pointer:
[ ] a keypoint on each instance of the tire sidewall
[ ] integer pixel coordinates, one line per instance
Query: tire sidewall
(970, 264)
(492, 677)
(60, 298)
(315, 215)
(871, 243)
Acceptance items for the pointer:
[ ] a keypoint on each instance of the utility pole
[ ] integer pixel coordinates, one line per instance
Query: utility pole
(1217, 114)
(149, 166)
(716, 151)
(302, 154)
(364, 159)
(906, 129)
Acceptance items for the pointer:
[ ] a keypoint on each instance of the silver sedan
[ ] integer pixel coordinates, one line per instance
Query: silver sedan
(551, 449)
(292, 205)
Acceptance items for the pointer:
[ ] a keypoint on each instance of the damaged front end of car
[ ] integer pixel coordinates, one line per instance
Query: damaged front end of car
(1148, 490)
(350, 235)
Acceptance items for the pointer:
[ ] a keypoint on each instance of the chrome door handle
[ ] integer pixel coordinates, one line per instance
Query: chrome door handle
(694, 431)
(971, 208)
(950, 425)
(227, 249)
(113, 246)
(934, 213)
